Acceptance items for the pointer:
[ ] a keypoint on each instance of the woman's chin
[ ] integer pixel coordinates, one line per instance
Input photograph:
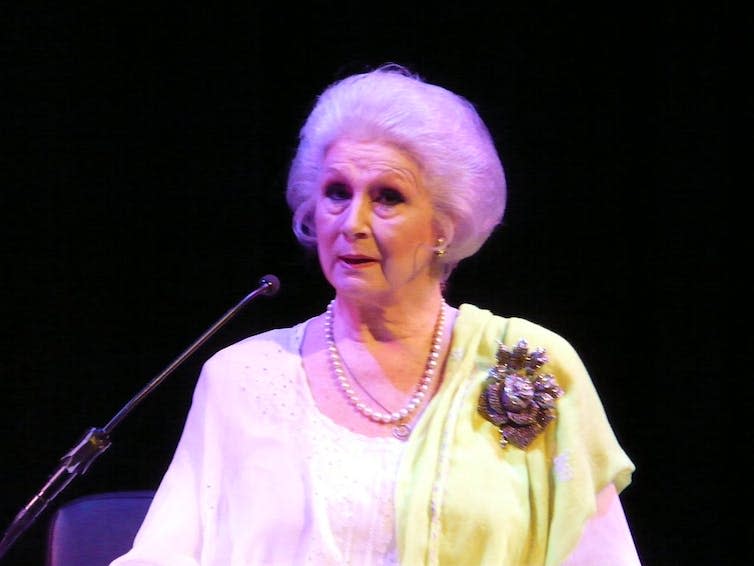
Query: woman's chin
(357, 287)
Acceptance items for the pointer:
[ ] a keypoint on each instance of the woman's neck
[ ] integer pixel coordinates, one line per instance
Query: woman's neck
(387, 320)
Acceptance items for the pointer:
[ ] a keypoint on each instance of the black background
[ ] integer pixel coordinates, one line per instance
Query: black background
(144, 167)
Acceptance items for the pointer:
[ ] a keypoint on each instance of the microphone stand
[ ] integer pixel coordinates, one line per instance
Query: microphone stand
(96, 440)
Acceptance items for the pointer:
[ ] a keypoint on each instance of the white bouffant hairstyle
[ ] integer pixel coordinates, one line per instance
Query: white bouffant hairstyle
(440, 130)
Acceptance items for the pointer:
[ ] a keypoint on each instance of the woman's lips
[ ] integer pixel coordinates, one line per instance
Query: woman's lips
(357, 261)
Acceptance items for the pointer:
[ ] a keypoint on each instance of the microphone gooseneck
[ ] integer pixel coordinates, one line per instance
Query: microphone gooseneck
(96, 440)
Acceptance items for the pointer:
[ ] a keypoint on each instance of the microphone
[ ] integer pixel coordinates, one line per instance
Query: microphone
(96, 440)
(271, 285)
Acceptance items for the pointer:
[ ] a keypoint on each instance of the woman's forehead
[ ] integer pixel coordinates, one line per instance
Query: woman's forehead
(374, 157)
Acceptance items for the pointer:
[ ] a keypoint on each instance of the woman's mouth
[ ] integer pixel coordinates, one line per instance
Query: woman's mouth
(357, 261)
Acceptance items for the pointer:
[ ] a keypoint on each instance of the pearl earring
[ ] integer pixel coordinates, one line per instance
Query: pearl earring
(440, 249)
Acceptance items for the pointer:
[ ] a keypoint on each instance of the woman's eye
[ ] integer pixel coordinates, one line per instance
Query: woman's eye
(337, 191)
(390, 197)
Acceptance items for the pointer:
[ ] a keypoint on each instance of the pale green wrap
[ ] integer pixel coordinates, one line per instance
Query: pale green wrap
(494, 505)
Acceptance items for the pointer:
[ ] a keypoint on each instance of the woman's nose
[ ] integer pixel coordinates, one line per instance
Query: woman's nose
(356, 219)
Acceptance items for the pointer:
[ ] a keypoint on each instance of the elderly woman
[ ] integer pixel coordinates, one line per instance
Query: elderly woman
(393, 428)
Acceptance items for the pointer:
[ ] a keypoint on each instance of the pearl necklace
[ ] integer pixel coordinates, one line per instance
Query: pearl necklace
(401, 430)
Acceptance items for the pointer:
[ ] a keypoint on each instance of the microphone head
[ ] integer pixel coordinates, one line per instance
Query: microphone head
(271, 285)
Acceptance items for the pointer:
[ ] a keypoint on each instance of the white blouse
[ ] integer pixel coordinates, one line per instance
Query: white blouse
(278, 481)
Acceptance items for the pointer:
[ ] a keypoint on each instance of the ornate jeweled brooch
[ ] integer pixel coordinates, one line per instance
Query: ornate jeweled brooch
(517, 399)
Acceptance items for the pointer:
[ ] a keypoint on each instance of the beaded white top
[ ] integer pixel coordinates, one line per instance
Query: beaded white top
(353, 480)
(261, 476)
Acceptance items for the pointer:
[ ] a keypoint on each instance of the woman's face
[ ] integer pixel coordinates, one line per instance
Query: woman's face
(374, 222)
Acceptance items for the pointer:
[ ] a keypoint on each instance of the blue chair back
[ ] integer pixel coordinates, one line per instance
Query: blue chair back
(93, 530)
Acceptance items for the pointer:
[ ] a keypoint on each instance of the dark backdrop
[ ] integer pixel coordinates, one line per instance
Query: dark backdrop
(144, 170)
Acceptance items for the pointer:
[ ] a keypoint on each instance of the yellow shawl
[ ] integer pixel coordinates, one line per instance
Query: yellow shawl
(463, 499)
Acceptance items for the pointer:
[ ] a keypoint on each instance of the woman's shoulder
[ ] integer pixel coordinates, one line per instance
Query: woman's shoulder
(272, 345)
(512, 329)
(495, 331)
(250, 374)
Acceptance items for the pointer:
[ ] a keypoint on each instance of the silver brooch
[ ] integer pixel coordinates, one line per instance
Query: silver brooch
(516, 398)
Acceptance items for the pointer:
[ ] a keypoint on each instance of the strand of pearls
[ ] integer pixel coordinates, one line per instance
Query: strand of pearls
(340, 375)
